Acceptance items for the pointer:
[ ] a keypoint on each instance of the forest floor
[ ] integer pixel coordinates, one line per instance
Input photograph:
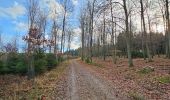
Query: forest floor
(144, 81)
(47, 85)
(100, 80)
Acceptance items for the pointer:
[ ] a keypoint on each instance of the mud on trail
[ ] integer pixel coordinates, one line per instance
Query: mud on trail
(83, 84)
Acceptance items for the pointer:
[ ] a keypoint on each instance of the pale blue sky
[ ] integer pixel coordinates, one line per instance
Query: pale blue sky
(13, 18)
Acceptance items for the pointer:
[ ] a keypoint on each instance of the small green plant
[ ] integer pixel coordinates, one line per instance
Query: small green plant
(12, 60)
(1, 64)
(51, 60)
(82, 58)
(164, 79)
(137, 54)
(60, 59)
(136, 96)
(87, 60)
(21, 67)
(146, 70)
(40, 65)
(3, 68)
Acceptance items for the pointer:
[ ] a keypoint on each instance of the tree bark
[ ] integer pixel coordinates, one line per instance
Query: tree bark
(63, 27)
(168, 26)
(144, 30)
(127, 34)
(82, 19)
(104, 37)
(113, 33)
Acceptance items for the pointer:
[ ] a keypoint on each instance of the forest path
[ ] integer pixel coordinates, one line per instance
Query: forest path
(85, 85)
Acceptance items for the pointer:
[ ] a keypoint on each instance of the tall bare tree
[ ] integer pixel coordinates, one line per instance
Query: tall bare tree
(168, 26)
(145, 33)
(63, 26)
(127, 33)
(82, 21)
(113, 32)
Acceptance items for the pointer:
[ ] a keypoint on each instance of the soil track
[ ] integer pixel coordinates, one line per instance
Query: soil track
(85, 85)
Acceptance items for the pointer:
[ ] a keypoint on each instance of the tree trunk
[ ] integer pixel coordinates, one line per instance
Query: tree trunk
(145, 34)
(168, 27)
(113, 33)
(91, 28)
(104, 38)
(63, 27)
(127, 35)
(55, 39)
(82, 36)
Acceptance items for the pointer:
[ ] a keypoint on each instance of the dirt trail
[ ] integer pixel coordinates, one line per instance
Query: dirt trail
(85, 85)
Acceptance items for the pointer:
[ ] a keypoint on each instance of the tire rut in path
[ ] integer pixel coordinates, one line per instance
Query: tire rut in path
(72, 84)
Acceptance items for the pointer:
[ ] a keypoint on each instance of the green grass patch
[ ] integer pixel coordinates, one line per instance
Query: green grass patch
(136, 96)
(164, 79)
(146, 70)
